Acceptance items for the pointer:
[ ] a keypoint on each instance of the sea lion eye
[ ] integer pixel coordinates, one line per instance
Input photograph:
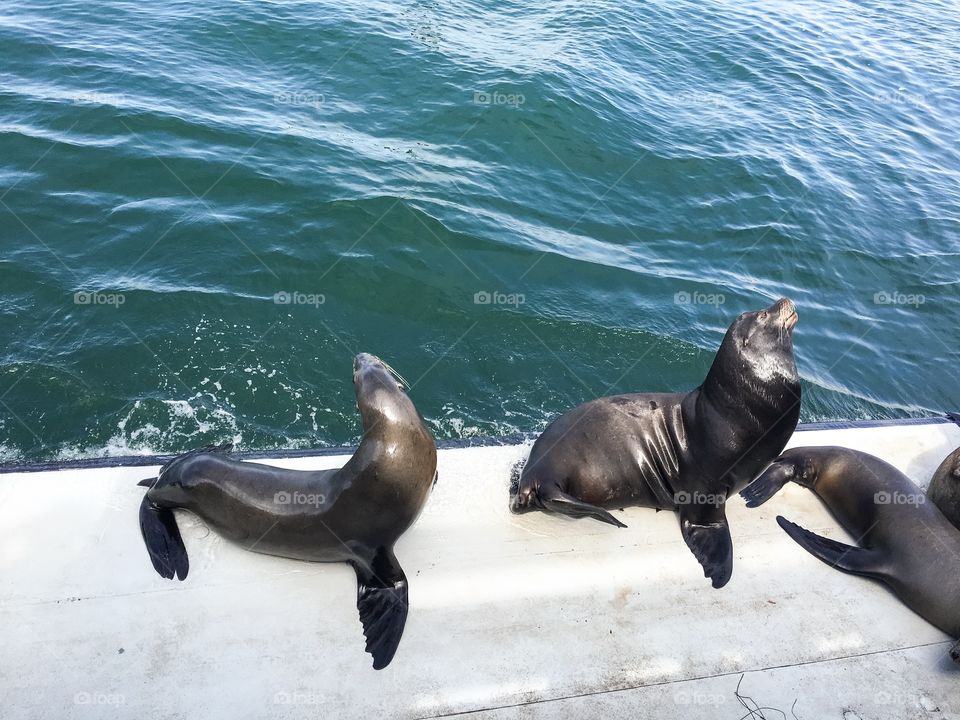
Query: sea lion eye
(763, 315)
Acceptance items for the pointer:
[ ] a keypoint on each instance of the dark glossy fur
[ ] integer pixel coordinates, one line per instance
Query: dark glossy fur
(680, 451)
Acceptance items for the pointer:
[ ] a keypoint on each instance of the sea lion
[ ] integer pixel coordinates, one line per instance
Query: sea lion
(906, 541)
(353, 515)
(944, 490)
(685, 452)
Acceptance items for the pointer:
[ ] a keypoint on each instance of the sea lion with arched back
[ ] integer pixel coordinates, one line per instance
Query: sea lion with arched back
(354, 514)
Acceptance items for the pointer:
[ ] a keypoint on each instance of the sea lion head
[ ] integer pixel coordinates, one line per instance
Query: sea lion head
(381, 392)
(758, 349)
(944, 490)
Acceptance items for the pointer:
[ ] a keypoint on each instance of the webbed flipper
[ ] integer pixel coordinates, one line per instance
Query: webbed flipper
(707, 534)
(555, 500)
(847, 558)
(382, 602)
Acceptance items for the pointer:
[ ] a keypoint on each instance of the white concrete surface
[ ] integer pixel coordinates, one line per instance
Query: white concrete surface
(511, 616)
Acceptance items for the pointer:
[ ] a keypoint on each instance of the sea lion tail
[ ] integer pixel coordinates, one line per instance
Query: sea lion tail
(162, 538)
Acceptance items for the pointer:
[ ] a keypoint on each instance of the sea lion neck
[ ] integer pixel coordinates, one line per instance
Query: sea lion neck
(739, 377)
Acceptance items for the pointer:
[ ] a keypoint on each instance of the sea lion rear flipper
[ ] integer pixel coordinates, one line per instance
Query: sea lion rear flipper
(707, 534)
(847, 558)
(162, 538)
(559, 502)
(382, 602)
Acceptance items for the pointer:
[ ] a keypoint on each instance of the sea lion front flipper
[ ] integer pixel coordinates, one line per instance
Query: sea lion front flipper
(766, 486)
(162, 538)
(555, 500)
(847, 558)
(707, 534)
(382, 602)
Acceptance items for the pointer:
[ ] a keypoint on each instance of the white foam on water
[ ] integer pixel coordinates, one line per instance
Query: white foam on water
(10, 454)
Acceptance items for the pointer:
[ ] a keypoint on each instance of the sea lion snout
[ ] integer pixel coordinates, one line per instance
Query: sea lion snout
(366, 360)
(785, 312)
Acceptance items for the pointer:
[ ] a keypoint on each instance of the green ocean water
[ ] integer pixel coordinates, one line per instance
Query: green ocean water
(206, 209)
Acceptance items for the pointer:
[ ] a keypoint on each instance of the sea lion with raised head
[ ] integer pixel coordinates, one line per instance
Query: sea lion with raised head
(686, 452)
(353, 515)
(904, 540)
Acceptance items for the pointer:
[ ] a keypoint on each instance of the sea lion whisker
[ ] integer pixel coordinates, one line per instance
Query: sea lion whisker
(399, 378)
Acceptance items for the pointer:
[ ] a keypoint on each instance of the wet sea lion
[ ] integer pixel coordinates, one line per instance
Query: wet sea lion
(353, 515)
(944, 490)
(686, 452)
(906, 542)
